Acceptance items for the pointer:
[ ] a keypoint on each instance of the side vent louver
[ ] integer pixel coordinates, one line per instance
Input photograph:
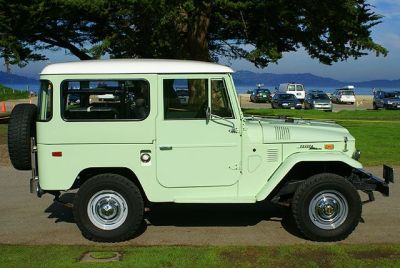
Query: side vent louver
(282, 133)
(272, 155)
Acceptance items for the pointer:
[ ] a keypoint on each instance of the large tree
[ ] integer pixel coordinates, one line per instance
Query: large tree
(259, 31)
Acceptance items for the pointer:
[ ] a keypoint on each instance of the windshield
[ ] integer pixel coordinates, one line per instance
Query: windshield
(392, 95)
(347, 92)
(286, 97)
(45, 110)
(320, 96)
(263, 91)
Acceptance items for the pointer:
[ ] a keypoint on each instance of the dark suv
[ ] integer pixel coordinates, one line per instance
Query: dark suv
(386, 100)
(260, 95)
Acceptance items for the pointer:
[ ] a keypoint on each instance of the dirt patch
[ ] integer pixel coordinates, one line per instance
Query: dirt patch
(303, 257)
(375, 254)
(4, 159)
(250, 255)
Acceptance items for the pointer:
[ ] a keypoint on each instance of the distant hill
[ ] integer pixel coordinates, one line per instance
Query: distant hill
(247, 78)
(379, 83)
(6, 78)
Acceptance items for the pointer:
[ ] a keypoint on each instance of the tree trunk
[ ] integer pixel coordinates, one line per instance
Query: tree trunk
(193, 25)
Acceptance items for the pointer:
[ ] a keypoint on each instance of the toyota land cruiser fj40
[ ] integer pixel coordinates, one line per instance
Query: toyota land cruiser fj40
(119, 133)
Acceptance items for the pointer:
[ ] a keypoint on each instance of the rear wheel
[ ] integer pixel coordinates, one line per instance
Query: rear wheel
(326, 207)
(108, 208)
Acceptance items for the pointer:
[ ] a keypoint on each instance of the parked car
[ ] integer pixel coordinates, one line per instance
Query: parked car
(318, 100)
(260, 95)
(386, 100)
(344, 95)
(183, 96)
(285, 101)
(293, 88)
(146, 147)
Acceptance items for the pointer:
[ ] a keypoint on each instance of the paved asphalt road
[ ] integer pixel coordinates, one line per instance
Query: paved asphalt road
(26, 219)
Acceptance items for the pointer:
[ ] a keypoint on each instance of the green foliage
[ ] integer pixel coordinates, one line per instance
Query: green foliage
(209, 256)
(259, 31)
(12, 94)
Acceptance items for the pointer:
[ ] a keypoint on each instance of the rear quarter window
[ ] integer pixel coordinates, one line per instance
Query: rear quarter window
(94, 100)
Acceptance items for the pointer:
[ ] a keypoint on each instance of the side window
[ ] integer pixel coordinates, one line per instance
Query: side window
(291, 88)
(220, 104)
(92, 100)
(45, 103)
(185, 98)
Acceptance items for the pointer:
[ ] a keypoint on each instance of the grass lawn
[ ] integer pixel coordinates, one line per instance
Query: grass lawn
(377, 132)
(207, 256)
(369, 115)
(378, 142)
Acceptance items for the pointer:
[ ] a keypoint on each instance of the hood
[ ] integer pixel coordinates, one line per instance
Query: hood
(298, 130)
(287, 101)
(395, 100)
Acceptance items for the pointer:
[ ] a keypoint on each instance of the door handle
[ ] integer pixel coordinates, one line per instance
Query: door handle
(165, 148)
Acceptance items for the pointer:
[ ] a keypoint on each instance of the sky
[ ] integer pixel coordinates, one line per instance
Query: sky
(365, 68)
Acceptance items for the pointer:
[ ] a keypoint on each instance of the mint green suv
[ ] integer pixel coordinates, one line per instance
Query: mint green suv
(119, 132)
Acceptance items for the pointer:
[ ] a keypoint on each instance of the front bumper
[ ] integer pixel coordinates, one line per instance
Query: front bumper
(323, 107)
(366, 182)
(393, 106)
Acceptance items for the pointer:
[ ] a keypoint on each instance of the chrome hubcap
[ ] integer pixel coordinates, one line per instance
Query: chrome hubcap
(328, 209)
(107, 210)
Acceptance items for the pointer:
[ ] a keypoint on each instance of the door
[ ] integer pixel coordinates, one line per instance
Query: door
(193, 149)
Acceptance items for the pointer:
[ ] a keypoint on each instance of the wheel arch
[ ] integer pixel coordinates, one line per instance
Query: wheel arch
(300, 166)
(88, 173)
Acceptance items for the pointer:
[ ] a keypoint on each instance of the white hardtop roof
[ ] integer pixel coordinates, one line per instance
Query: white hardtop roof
(135, 66)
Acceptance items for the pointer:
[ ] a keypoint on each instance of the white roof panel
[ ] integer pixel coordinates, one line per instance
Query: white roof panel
(135, 66)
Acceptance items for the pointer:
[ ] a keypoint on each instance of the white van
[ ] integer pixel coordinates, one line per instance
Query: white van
(344, 95)
(293, 88)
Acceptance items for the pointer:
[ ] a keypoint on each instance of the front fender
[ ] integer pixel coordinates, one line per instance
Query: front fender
(295, 158)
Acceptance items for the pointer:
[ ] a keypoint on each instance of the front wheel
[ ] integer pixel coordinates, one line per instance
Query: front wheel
(108, 208)
(326, 207)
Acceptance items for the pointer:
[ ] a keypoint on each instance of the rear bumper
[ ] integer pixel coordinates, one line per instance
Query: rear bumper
(367, 182)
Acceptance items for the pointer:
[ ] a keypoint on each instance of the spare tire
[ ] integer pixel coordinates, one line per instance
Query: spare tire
(21, 128)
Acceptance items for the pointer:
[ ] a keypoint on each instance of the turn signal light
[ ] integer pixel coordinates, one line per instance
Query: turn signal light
(329, 146)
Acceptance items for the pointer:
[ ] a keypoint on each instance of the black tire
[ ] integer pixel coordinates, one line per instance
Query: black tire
(374, 106)
(106, 186)
(309, 220)
(21, 128)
